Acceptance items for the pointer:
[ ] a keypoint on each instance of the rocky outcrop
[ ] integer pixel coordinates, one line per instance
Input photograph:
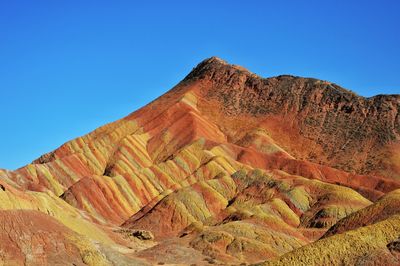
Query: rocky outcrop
(342, 129)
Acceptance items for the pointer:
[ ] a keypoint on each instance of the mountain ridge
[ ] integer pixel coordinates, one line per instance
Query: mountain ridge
(209, 69)
(330, 94)
(208, 63)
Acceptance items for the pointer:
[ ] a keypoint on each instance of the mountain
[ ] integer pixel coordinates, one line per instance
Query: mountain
(225, 168)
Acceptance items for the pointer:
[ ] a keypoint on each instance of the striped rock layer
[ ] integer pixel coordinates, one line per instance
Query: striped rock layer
(225, 168)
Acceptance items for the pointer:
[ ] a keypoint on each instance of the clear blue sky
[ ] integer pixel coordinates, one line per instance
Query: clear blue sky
(67, 67)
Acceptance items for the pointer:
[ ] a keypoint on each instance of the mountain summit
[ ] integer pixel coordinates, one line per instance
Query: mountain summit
(225, 168)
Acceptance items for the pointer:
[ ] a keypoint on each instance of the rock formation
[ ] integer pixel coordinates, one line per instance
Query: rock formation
(225, 168)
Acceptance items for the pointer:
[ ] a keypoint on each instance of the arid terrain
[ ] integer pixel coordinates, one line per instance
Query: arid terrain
(226, 168)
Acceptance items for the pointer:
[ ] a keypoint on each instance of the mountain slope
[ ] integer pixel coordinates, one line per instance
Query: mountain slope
(224, 167)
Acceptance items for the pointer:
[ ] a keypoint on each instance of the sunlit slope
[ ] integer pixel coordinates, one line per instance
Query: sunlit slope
(375, 244)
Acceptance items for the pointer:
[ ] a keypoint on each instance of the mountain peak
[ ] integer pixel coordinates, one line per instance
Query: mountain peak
(210, 66)
(214, 59)
(334, 119)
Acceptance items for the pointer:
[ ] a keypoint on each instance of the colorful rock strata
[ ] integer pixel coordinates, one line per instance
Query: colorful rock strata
(226, 168)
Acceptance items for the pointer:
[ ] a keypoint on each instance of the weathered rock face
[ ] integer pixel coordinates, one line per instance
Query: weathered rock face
(226, 167)
(344, 130)
(35, 238)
